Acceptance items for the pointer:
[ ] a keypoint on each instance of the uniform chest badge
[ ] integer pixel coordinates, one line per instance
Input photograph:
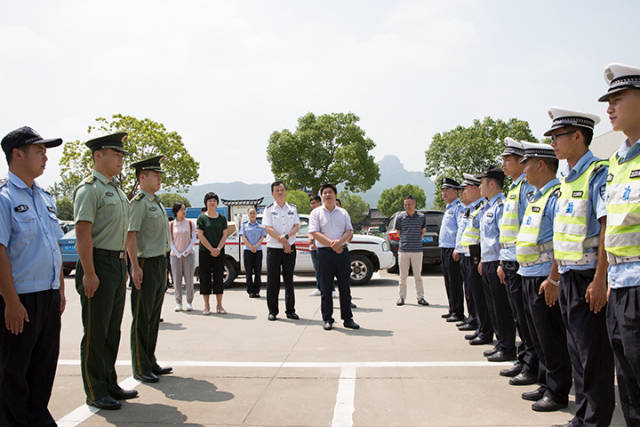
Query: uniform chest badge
(153, 208)
(489, 214)
(577, 194)
(290, 213)
(21, 208)
(535, 208)
(569, 208)
(635, 174)
(108, 194)
(51, 209)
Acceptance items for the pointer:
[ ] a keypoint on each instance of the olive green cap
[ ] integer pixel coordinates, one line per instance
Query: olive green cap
(150, 164)
(114, 141)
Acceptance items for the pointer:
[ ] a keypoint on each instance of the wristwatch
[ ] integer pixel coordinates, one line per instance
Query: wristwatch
(286, 236)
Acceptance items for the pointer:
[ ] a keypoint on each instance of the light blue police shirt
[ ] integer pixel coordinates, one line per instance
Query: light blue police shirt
(597, 191)
(546, 231)
(253, 232)
(489, 229)
(30, 231)
(627, 274)
(449, 225)
(462, 223)
(476, 220)
(526, 189)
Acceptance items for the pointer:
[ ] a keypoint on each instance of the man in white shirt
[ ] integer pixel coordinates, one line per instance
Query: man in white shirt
(281, 222)
(331, 228)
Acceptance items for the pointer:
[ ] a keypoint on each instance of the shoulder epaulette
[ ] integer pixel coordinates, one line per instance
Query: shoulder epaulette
(88, 180)
(600, 164)
(556, 193)
(139, 197)
(269, 205)
(3, 182)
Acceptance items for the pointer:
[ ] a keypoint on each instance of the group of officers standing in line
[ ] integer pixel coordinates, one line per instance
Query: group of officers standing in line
(557, 260)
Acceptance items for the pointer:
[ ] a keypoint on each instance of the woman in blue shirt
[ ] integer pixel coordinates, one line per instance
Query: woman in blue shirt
(253, 233)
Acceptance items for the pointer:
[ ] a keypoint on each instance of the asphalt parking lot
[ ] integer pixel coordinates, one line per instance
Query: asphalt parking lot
(404, 367)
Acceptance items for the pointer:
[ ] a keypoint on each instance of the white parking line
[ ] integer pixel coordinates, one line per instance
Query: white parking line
(345, 399)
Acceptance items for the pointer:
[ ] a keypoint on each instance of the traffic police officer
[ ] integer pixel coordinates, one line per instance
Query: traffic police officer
(147, 242)
(447, 243)
(101, 213)
(622, 237)
(491, 183)
(525, 368)
(534, 252)
(471, 242)
(470, 323)
(31, 283)
(579, 256)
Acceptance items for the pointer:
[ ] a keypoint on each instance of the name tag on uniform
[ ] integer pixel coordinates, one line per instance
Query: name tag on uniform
(21, 208)
(51, 209)
(152, 208)
(489, 214)
(635, 173)
(535, 208)
(577, 194)
(512, 197)
(290, 213)
(108, 194)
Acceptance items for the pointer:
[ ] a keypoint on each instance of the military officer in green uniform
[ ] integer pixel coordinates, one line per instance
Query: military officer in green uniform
(101, 214)
(147, 243)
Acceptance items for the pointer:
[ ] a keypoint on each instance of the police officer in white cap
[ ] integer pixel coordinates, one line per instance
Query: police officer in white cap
(622, 237)
(579, 257)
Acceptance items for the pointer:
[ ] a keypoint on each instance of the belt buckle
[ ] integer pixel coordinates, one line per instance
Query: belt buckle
(121, 255)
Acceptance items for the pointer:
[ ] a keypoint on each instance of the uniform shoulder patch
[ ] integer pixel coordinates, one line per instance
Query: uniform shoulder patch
(88, 180)
(139, 197)
(556, 193)
(269, 205)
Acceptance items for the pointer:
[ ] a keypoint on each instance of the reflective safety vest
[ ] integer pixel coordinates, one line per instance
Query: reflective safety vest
(570, 224)
(510, 222)
(471, 235)
(622, 238)
(528, 251)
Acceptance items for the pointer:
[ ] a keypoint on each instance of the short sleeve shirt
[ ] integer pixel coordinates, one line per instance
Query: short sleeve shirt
(101, 202)
(282, 219)
(490, 230)
(29, 230)
(449, 225)
(212, 228)
(410, 227)
(333, 224)
(150, 222)
(253, 232)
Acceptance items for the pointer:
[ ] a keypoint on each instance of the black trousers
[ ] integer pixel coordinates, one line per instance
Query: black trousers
(591, 356)
(280, 263)
(485, 329)
(468, 296)
(499, 308)
(452, 281)
(28, 361)
(330, 265)
(526, 352)
(549, 339)
(211, 273)
(623, 325)
(253, 270)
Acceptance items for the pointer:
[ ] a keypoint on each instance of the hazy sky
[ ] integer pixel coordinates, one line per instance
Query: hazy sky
(225, 75)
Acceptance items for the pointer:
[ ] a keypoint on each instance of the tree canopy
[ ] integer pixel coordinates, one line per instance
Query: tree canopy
(64, 209)
(300, 199)
(355, 205)
(170, 199)
(146, 138)
(330, 148)
(392, 199)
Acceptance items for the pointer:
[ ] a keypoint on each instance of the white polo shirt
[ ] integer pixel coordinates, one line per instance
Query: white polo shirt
(282, 219)
(332, 224)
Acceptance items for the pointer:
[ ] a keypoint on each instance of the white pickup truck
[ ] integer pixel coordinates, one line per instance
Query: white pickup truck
(368, 254)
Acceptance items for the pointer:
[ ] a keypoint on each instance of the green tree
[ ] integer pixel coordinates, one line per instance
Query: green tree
(330, 148)
(146, 138)
(65, 209)
(471, 149)
(392, 199)
(355, 205)
(169, 199)
(300, 199)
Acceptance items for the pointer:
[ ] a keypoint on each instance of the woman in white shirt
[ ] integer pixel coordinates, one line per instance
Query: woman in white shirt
(183, 238)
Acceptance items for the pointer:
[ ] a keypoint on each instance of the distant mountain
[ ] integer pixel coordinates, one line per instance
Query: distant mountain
(392, 173)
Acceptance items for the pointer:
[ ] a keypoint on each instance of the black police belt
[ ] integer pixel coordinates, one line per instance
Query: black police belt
(107, 252)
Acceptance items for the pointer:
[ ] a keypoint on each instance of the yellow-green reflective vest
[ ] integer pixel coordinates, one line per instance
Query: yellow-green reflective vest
(570, 223)
(527, 248)
(622, 237)
(510, 222)
(471, 235)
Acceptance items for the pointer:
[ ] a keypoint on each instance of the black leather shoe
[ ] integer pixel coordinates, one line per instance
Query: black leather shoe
(149, 377)
(534, 395)
(349, 323)
(107, 402)
(455, 318)
(293, 316)
(523, 378)
(272, 317)
(423, 301)
(121, 394)
(513, 371)
(400, 301)
(327, 326)
(446, 315)
(353, 305)
(469, 337)
(480, 341)
(501, 356)
(467, 327)
(459, 324)
(488, 353)
(547, 404)
(159, 370)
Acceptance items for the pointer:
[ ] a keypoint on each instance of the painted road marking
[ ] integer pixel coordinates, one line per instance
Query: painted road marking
(345, 398)
(339, 365)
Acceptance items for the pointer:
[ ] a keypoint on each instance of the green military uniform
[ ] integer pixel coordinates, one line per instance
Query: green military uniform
(100, 201)
(151, 224)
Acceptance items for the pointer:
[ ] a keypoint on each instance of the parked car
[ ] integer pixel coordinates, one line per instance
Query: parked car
(69, 253)
(430, 249)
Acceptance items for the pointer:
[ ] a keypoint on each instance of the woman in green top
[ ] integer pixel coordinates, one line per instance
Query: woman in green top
(212, 232)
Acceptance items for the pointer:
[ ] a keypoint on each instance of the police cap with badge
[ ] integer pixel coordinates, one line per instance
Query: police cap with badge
(450, 183)
(470, 180)
(620, 77)
(114, 141)
(150, 164)
(566, 118)
(493, 172)
(512, 148)
(537, 150)
(26, 136)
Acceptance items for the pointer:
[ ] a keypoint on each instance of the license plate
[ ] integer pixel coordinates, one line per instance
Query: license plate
(427, 239)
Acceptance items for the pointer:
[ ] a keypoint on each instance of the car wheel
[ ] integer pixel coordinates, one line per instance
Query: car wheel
(361, 269)
(230, 273)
